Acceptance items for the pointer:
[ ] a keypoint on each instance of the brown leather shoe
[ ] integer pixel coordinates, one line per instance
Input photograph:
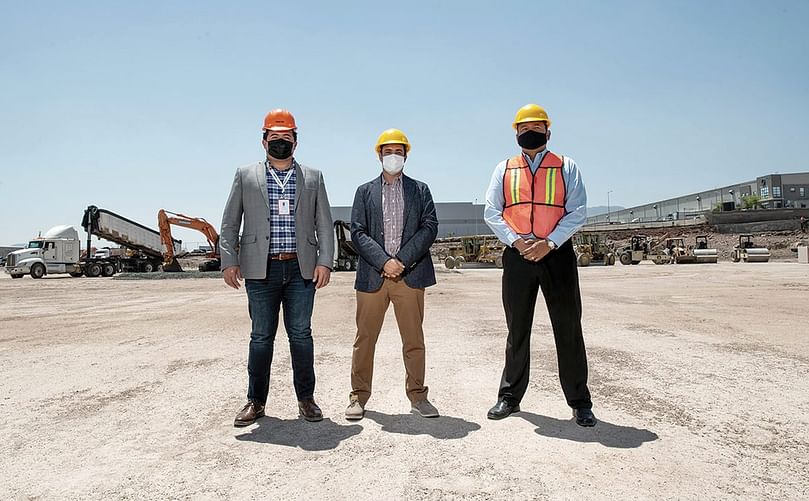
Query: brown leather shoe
(309, 410)
(251, 411)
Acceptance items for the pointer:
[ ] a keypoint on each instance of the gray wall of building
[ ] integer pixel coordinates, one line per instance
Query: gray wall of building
(454, 218)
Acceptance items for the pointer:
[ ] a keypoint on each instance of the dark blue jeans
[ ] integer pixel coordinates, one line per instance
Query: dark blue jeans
(283, 286)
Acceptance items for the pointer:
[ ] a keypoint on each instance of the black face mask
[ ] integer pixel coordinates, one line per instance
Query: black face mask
(532, 140)
(279, 148)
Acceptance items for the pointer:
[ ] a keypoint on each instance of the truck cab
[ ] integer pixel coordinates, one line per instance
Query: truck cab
(55, 252)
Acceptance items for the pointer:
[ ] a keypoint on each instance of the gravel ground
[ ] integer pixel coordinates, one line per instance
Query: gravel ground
(127, 389)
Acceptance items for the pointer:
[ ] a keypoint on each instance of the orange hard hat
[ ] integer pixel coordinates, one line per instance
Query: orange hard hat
(279, 120)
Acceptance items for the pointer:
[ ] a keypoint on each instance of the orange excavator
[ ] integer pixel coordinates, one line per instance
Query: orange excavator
(164, 221)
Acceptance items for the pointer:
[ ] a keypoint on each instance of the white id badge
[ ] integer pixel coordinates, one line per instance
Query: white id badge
(283, 207)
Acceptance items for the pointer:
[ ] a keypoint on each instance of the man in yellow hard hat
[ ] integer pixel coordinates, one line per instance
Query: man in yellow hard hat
(393, 225)
(535, 202)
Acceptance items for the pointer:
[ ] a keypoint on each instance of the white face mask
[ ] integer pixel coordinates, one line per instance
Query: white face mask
(393, 164)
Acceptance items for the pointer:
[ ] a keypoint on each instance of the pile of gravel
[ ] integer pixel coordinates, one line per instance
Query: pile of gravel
(162, 275)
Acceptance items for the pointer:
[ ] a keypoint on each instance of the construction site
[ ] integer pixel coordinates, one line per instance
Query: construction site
(140, 373)
(432, 251)
(127, 388)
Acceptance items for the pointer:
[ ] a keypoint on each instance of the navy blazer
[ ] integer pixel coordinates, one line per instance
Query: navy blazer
(418, 234)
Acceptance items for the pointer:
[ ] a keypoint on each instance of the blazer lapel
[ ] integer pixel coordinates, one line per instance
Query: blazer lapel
(261, 177)
(410, 196)
(376, 203)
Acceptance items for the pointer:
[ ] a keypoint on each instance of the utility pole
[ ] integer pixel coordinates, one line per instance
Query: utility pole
(608, 206)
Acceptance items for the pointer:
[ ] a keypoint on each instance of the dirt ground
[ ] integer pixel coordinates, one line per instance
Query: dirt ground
(779, 243)
(127, 389)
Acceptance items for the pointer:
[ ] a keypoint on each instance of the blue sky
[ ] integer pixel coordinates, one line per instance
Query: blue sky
(139, 106)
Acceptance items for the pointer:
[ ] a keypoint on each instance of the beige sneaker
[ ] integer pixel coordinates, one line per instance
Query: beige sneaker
(424, 409)
(355, 411)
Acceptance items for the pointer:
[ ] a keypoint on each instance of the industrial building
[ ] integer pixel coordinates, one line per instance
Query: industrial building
(454, 218)
(775, 191)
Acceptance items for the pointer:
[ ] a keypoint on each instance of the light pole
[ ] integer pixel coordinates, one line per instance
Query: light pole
(732, 198)
(608, 206)
(476, 218)
(630, 218)
(657, 215)
(699, 203)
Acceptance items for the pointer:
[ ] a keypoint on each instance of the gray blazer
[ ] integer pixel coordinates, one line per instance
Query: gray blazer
(418, 234)
(249, 199)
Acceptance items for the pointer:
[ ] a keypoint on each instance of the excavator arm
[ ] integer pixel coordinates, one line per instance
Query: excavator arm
(165, 219)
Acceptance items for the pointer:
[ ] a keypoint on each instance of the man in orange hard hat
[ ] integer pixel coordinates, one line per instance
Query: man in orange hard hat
(285, 253)
(393, 225)
(535, 202)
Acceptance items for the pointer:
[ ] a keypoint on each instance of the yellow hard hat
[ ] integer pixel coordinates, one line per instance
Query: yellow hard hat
(531, 113)
(392, 136)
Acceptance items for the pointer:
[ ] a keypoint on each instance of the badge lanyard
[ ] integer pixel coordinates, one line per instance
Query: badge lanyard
(283, 203)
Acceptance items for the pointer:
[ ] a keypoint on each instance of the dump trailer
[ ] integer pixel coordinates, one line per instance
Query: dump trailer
(145, 249)
(59, 250)
(346, 256)
(749, 252)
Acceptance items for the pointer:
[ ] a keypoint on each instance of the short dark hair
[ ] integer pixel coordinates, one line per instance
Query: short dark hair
(294, 134)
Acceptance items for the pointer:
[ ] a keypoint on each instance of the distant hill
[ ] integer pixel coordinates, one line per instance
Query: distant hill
(602, 209)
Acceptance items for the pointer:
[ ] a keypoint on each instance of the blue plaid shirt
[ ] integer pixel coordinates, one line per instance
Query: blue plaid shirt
(282, 228)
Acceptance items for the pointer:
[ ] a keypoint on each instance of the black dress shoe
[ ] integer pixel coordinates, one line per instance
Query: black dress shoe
(309, 410)
(502, 409)
(584, 417)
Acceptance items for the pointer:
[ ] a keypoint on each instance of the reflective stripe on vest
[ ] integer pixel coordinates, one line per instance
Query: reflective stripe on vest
(535, 203)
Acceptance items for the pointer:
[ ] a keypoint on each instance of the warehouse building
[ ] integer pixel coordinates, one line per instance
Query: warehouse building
(775, 191)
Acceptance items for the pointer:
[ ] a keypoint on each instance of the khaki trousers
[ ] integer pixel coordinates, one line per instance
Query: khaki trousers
(408, 305)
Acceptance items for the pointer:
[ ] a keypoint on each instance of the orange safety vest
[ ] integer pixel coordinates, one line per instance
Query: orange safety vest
(535, 203)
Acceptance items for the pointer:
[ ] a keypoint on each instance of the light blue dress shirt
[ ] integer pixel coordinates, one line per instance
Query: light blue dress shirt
(575, 203)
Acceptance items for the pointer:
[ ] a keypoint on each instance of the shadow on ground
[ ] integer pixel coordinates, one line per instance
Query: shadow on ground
(604, 433)
(321, 436)
(443, 427)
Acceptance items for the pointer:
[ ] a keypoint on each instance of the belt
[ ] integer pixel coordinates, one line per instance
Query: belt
(284, 256)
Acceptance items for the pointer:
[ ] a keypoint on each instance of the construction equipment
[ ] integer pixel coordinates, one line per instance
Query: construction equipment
(392, 136)
(749, 252)
(592, 249)
(477, 249)
(637, 250)
(58, 251)
(531, 113)
(703, 253)
(346, 256)
(164, 221)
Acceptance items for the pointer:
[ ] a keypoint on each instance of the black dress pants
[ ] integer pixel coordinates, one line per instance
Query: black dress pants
(556, 274)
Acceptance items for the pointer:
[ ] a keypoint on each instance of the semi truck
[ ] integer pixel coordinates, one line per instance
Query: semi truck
(59, 250)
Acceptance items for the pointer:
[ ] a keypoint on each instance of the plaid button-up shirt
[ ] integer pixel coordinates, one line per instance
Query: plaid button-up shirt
(393, 214)
(282, 227)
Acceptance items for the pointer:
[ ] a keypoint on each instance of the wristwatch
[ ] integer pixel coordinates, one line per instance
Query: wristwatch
(551, 244)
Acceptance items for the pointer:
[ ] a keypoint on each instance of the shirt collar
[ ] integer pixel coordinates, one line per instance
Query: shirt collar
(292, 167)
(537, 159)
(395, 182)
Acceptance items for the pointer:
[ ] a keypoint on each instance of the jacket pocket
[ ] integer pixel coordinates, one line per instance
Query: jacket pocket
(248, 239)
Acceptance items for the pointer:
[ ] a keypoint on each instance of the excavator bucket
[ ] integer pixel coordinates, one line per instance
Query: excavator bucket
(172, 266)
